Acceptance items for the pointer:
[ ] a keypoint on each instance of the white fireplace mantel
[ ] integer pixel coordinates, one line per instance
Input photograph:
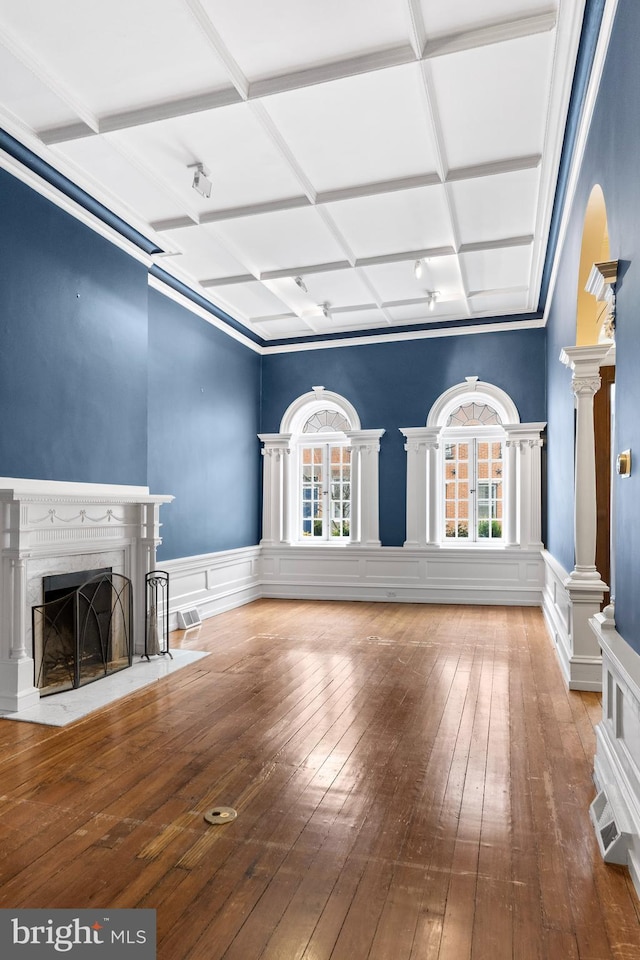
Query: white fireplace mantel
(58, 527)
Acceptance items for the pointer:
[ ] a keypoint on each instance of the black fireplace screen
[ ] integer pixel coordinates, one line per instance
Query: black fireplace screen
(84, 635)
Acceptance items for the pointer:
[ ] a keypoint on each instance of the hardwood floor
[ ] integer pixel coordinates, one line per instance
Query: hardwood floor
(412, 783)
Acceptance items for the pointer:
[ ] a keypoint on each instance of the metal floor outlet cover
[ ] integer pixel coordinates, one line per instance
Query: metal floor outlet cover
(220, 815)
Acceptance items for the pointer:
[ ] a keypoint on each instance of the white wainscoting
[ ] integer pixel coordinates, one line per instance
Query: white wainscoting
(212, 582)
(424, 575)
(567, 607)
(617, 760)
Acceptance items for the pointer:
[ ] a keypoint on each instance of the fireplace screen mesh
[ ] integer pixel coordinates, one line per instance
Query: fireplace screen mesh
(84, 635)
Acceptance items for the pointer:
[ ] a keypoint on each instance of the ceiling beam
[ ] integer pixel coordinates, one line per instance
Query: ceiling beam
(509, 165)
(296, 80)
(486, 36)
(405, 256)
(165, 110)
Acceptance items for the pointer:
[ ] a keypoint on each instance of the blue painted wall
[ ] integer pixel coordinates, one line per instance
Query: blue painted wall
(73, 347)
(394, 385)
(105, 381)
(611, 159)
(204, 409)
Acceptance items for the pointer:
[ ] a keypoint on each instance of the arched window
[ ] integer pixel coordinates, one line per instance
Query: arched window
(321, 475)
(473, 473)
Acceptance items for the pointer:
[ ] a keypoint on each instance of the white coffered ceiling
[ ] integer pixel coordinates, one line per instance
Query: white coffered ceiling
(344, 139)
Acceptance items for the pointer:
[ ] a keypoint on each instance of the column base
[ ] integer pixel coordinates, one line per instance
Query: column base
(17, 691)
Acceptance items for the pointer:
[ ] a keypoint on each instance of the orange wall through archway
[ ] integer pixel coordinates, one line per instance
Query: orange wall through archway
(595, 249)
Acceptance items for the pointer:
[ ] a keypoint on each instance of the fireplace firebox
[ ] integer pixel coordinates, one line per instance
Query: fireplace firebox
(83, 630)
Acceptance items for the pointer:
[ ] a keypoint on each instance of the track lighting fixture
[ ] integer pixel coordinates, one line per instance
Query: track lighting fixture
(326, 311)
(418, 267)
(300, 283)
(432, 296)
(201, 182)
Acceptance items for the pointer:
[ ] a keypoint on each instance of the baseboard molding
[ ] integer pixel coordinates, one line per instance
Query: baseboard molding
(213, 582)
(617, 759)
(400, 574)
(566, 617)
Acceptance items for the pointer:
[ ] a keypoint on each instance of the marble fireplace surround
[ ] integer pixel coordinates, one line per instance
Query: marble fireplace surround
(50, 527)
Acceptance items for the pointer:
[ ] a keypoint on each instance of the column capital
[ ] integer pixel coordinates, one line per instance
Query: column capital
(585, 362)
(530, 433)
(275, 444)
(365, 439)
(421, 438)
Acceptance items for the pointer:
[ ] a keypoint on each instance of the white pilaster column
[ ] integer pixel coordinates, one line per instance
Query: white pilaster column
(434, 534)
(19, 579)
(356, 524)
(523, 485)
(275, 519)
(422, 485)
(365, 496)
(511, 493)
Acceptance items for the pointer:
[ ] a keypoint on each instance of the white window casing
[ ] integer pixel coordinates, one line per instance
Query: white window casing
(520, 478)
(325, 421)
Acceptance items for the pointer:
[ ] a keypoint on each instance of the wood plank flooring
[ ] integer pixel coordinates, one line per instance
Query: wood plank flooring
(412, 783)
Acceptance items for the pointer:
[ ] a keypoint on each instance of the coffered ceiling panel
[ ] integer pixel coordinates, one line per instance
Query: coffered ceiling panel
(201, 254)
(340, 144)
(28, 98)
(117, 56)
(244, 163)
(310, 34)
(282, 240)
(493, 100)
(492, 208)
(395, 222)
(492, 270)
(397, 281)
(359, 130)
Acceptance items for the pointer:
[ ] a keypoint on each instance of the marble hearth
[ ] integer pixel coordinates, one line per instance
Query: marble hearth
(51, 527)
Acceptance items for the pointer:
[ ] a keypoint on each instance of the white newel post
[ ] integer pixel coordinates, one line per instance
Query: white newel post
(584, 584)
(365, 448)
(275, 514)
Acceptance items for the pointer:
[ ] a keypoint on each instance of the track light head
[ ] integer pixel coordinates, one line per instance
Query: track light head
(418, 267)
(300, 283)
(201, 182)
(432, 296)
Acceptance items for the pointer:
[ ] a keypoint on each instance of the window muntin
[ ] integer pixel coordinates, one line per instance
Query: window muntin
(325, 491)
(473, 489)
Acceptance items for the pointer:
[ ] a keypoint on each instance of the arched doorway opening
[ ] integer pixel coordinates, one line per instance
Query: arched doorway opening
(593, 327)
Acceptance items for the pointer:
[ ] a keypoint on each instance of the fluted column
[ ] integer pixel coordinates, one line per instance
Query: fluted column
(365, 447)
(275, 509)
(18, 633)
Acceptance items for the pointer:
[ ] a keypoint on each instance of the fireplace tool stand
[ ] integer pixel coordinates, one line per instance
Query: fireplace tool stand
(156, 617)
